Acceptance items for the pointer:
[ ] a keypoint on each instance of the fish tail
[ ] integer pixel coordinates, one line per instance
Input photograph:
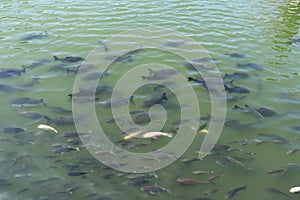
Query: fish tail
(56, 58)
(70, 96)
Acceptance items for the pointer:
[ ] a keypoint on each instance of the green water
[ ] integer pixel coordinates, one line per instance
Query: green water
(261, 30)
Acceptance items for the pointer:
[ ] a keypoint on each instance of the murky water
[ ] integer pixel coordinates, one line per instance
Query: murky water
(35, 163)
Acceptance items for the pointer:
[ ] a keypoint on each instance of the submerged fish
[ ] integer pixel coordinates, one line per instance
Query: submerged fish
(154, 189)
(295, 189)
(100, 89)
(77, 173)
(251, 66)
(32, 115)
(69, 59)
(276, 191)
(296, 40)
(276, 138)
(236, 75)
(154, 100)
(231, 193)
(202, 82)
(36, 64)
(236, 89)
(275, 171)
(235, 161)
(253, 111)
(6, 73)
(14, 130)
(187, 181)
(63, 120)
(236, 55)
(26, 101)
(36, 35)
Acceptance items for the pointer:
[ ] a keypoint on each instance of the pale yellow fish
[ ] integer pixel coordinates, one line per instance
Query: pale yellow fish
(129, 136)
(156, 134)
(204, 131)
(295, 189)
(47, 128)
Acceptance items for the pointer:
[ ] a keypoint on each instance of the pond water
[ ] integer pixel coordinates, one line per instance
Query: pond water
(254, 149)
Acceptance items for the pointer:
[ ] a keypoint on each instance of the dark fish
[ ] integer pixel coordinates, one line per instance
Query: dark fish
(154, 189)
(93, 76)
(205, 59)
(202, 82)
(140, 181)
(37, 35)
(276, 138)
(154, 100)
(233, 192)
(236, 75)
(236, 55)
(14, 130)
(200, 198)
(117, 101)
(65, 149)
(126, 57)
(32, 115)
(189, 160)
(4, 181)
(89, 92)
(45, 180)
(36, 64)
(236, 89)
(26, 101)
(276, 191)
(6, 73)
(266, 112)
(251, 110)
(155, 77)
(70, 134)
(142, 118)
(69, 59)
(296, 128)
(59, 110)
(296, 40)
(63, 120)
(76, 173)
(275, 171)
(251, 66)
(9, 88)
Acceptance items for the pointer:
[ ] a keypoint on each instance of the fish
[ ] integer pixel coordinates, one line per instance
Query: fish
(295, 189)
(202, 82)
(46, 127)
(211, 178)
(155, 77)
(266, 112)
(61, 121)
(142, 118)
(4, 181)
(276, 138)
(69, 59)
(32, 115)
(63, 150)
(236, 55)
(77, 173)
(189, 160)
(26, 102)
(162, 71)
(197, 172)
(277, 191)
(295, 40)
(35, 35)
(14, 130)
(154, 189)
(174, 43)
(292, 151)
(118, 101)
(254, 112)
(235, 161)
(140, 181)
(236, 75)
(275, 171)
(6, 72)
(59, 110)
(295, 128)
(35, 64)
(231, 193)
(46, 180)
(100, 89)
(205, 59)
(92, 76)
(156, 134)
(236, 89)
(251, 66)
(187, 181)
(22, 175)
(154, 100)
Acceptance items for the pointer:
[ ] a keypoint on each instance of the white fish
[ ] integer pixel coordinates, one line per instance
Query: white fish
(156, 134)
(295, 189)
(129, 136)
(46, 127)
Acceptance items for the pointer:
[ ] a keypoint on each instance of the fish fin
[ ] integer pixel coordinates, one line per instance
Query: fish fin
(164, 96)
(56, 58)
(131, 100)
